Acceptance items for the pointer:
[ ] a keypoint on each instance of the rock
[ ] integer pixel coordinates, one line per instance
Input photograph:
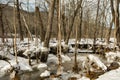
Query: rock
(53, 50)
(4, 58)
(94, 74)
(21, 53)
(65, 48)
(113, 65)
(44, 56)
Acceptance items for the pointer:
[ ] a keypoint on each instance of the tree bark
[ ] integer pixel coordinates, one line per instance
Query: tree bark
(1, 24)
(72, 22)
(59, 71)
(111, 23)
(39, 19)
(96, 26)
(15, 37)
(49, 26)
(117, 30)
(19, 21)
(75, 68)
(27, 27)
(80, 25)
(64, 19)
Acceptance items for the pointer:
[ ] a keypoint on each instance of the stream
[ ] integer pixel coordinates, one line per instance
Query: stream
(35, 75)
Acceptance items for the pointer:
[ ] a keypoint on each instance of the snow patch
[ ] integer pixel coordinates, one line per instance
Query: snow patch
(112, 56)
(46, 73)
(27, 52)
(44, 49)
(22, 65)
(111, 75)
(54, 59)
(97, 61)
(83, 78)
(65, 58)
(42, 65)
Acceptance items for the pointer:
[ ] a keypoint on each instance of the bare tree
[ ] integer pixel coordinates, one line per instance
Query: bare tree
(49, 26)
(80, 25)
(117, 30)
(1, 20)
(40, 22)
(59, 72)
(1, 23)
(103, 19)
(72, 21)
(64, 19)
(49, 29)
(111, 23)
(19, 20)
(75, 68)
(15, 31)
(96, 26)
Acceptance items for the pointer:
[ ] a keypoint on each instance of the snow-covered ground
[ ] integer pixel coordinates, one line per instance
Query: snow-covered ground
(7, 50)
(111, 75)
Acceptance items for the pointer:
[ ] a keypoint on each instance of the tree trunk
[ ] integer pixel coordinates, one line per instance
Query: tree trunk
(59, 71)
(111, 23)
(96, 26)
(75, 68)
(15, 46)
(72, 22)
(44, 54)
(1, 25)
(103, 19)
(19, 21)
(109, 31)
(39, 19)
(80, 25)
(117, 30)
(64, 19)
(49, 26)
(27, 27)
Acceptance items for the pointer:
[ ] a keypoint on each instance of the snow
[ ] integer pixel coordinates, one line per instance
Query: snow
(53, 44)
(42, 65)
(97, 61)
(38, 49)
(112, 56)
(72, 50)
(111, 75)
(6, 54)
(65, 58)
(54, 59)
(31, 47)
(46, 73)
(44, 49)
(22, 65)
(2, 65)
(27, 52)
(93, 59)
(76, 75)
(83, 78)
(12, 75)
